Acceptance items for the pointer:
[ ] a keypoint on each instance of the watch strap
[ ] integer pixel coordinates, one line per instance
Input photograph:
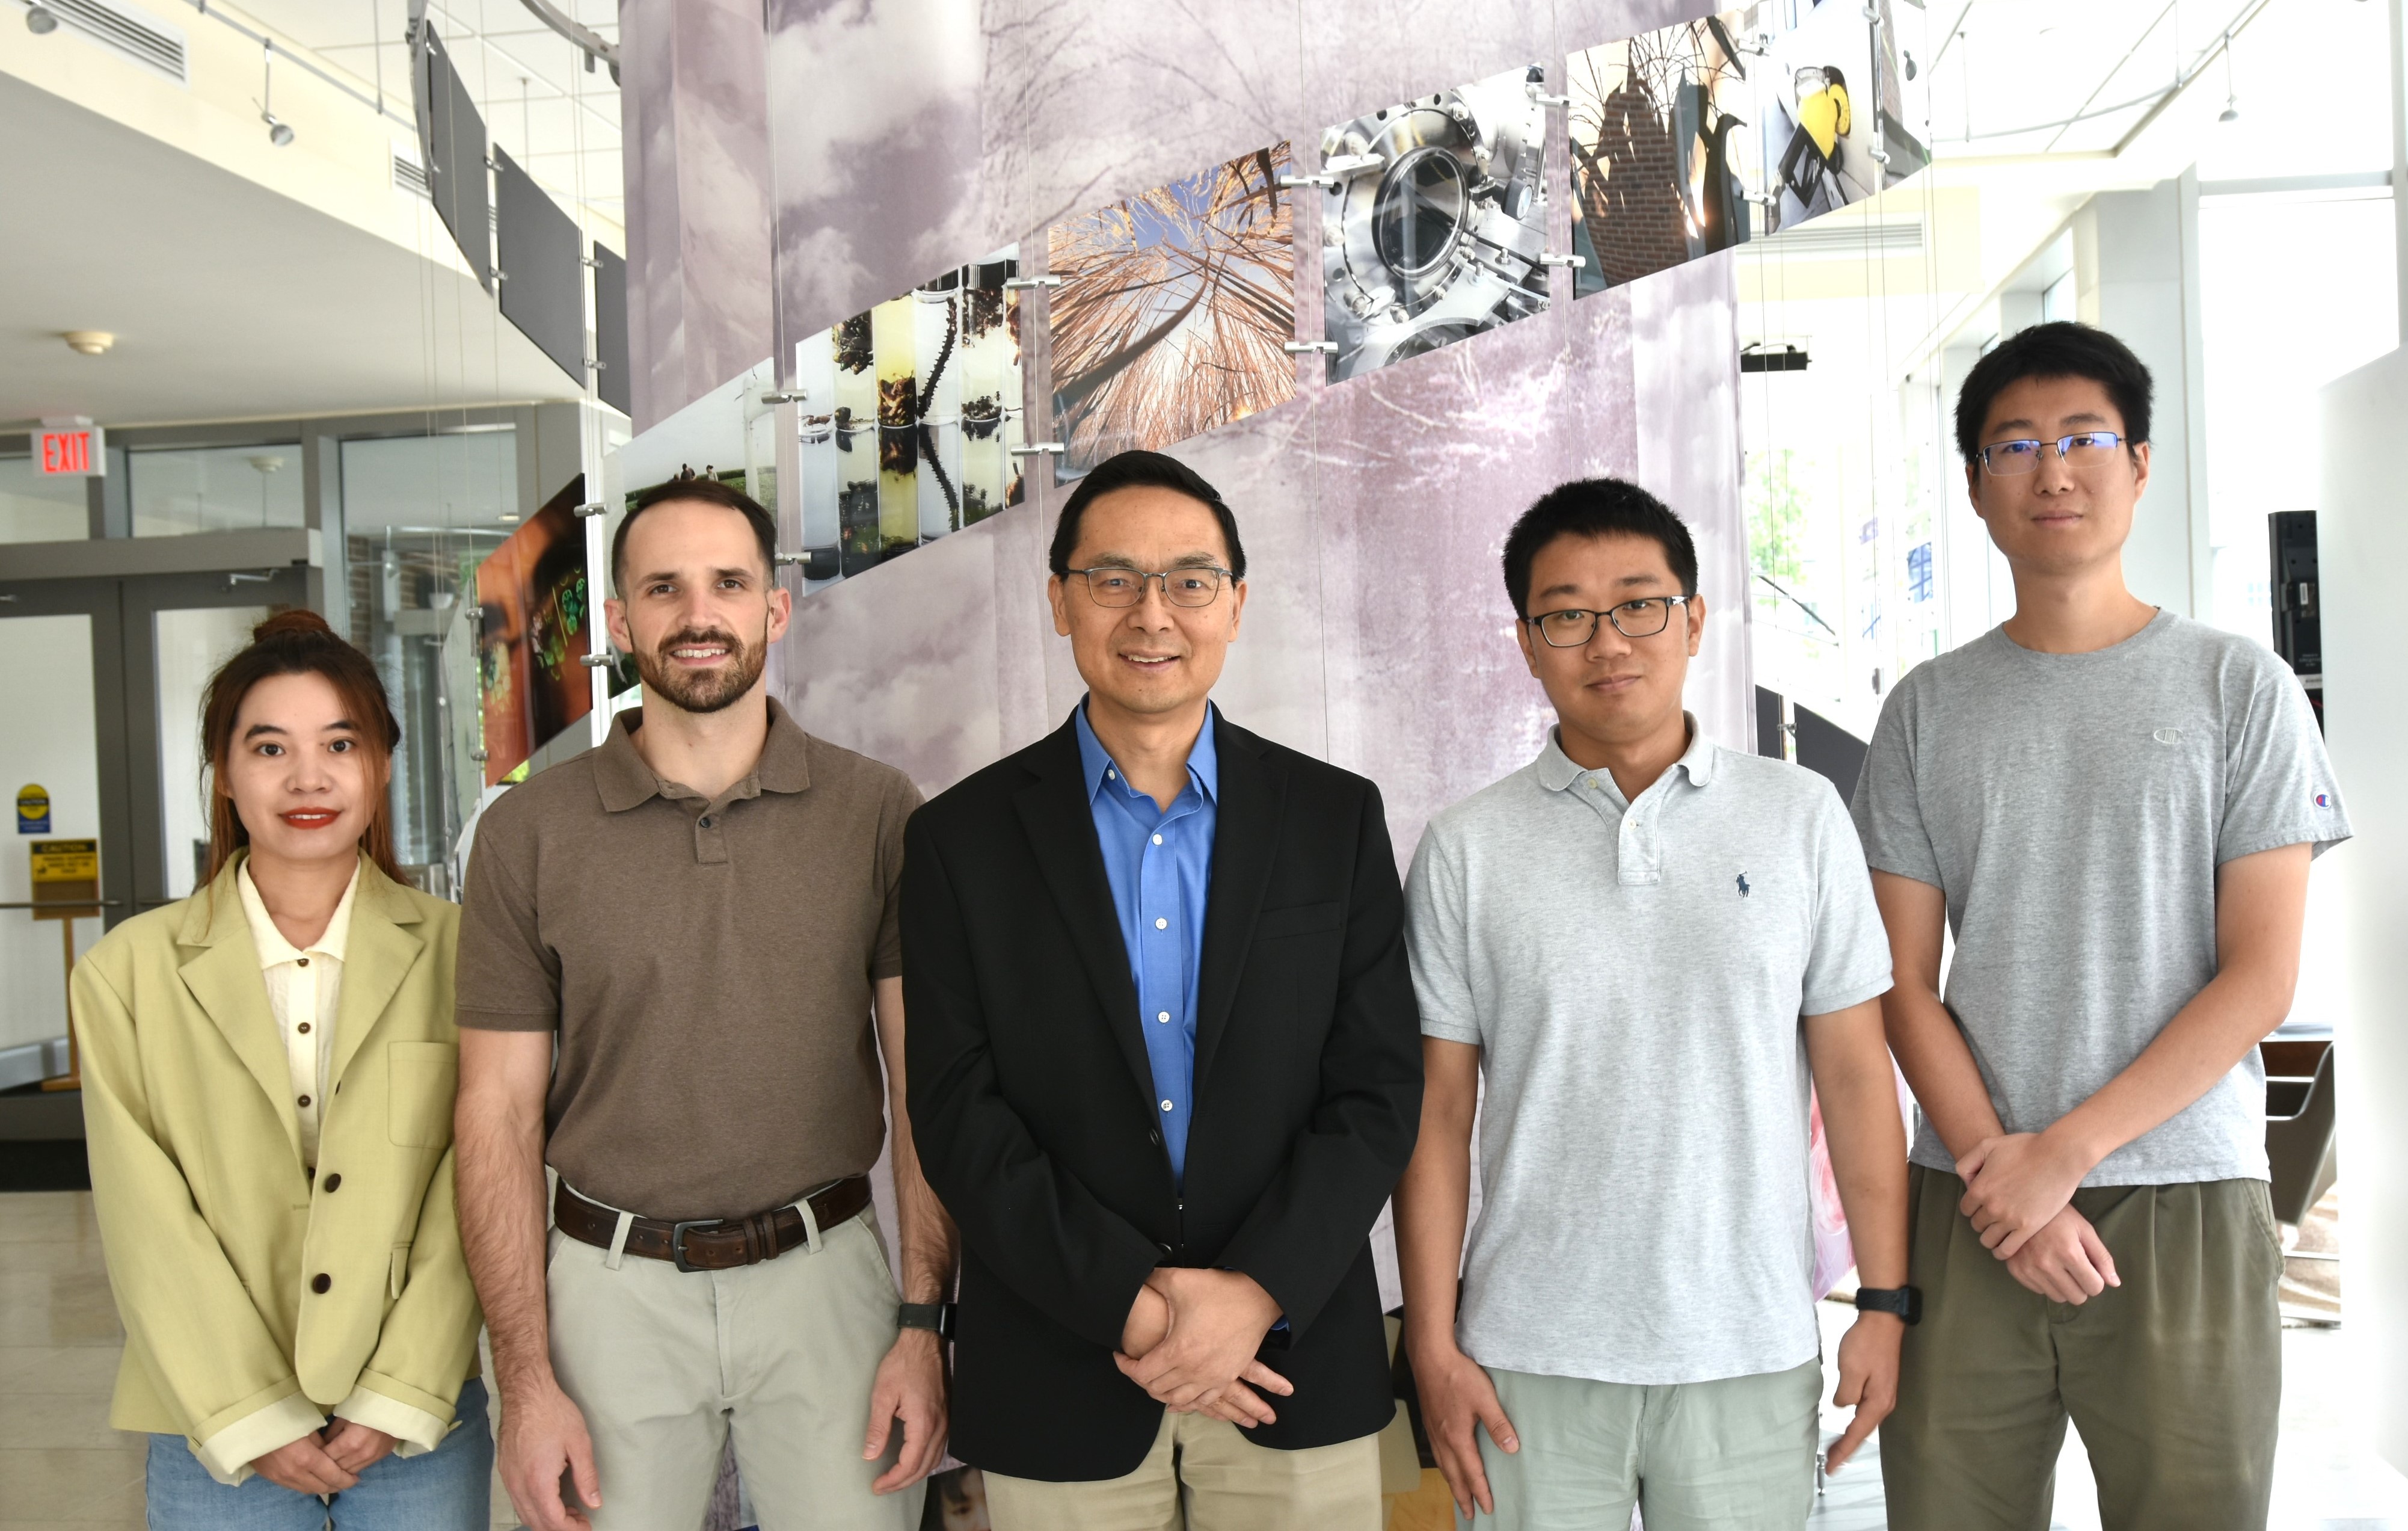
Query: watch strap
(1904, 1302)
(937, 1318)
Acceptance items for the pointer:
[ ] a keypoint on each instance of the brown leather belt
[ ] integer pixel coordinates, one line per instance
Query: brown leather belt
(710, 1243)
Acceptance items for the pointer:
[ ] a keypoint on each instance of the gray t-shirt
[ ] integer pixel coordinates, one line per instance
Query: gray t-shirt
(2073, 808)
(1634, 977)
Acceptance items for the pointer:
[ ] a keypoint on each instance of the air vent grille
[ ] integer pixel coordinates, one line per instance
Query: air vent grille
(1833, 237)
(409, 176)
(128, 32)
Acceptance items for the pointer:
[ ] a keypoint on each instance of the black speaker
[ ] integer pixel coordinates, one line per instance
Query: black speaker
(2291, 571)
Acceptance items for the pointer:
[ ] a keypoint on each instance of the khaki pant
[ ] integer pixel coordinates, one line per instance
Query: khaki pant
(2175, 1378)
(666, 1364)
(1203, 1475)
(1732, 1455)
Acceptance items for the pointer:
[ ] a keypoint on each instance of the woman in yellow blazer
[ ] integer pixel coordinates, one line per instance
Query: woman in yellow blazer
(269, 1069)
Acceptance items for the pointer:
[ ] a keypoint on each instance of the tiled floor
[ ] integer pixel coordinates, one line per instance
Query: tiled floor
(62, 1467)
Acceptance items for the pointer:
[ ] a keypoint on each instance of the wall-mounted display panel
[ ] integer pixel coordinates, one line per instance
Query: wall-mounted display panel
(542, 279)
(532, 635)
(1174, 312)
(908, 415)
(1664, 154)
(614, 377)
(1435, 226)
(455, 155)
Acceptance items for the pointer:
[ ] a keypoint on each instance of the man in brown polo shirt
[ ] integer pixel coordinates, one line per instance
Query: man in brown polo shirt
(701, 914)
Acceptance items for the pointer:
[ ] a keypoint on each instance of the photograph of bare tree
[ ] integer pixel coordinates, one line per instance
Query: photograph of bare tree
(1662, 167)
(1173, 313)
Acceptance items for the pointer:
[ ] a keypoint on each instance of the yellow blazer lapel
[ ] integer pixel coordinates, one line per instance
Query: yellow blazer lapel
(221, 973)
(380, 952)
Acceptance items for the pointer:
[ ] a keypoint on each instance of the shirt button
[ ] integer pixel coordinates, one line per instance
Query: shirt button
(1165, 1017)
(1157, 840)
(1162, 924)
(305, 961)
(1166, 1106)
(705, 821)
(303, 1028)
(1110, 775)
(320, 1283)
(305, 1102)
(334, 1182)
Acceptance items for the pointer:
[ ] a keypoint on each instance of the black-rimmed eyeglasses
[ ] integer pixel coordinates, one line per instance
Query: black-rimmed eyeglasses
(1574, 625)
(1110, 584)
(2082, 449)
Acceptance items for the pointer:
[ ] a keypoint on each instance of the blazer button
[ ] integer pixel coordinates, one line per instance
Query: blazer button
(1165, 1249)
(334, 1182)
(321, 1282)
(1153, 1136)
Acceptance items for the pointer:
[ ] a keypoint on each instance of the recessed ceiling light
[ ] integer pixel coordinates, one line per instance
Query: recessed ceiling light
(89, 343)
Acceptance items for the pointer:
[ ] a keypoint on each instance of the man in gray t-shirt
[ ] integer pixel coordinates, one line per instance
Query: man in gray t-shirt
(2113, 808)
(1645, 946)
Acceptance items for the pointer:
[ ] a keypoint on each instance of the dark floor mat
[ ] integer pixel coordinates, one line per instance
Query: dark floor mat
(44, 1165)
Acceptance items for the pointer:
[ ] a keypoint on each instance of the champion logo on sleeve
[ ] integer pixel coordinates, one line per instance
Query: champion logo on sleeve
(2324, 800)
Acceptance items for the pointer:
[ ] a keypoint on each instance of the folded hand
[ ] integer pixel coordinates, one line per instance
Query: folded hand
(1216, 1321)
(2014, 1184)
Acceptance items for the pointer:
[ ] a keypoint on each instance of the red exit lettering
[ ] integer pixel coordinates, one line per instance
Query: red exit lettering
(66, 452)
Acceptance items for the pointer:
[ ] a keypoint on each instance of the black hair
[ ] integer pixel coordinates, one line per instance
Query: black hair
(709, 491)
(1595, 508)
(2060, 349)
(1140, 470)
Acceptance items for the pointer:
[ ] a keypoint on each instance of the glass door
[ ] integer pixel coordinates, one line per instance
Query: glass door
(51, 770)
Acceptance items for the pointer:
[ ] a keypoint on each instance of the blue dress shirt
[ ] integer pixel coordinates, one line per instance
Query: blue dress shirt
(1159, 861)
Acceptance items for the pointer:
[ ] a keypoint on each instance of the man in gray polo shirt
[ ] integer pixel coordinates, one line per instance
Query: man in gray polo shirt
(2115, 808)
(1649, 945)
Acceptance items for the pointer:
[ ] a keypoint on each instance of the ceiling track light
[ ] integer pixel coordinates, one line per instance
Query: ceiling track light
(279, 133)
(41, 21)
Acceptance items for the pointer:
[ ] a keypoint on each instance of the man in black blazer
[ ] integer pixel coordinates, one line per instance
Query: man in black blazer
(1164, 1067)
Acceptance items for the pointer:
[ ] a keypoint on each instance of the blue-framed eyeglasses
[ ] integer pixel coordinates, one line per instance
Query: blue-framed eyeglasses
(2082, 449)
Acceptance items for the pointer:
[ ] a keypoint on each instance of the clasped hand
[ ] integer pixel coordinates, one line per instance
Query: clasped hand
(1190, 1342)
(2018, 1196)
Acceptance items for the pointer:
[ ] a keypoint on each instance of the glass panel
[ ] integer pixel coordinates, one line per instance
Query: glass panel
(192, 644)
(420, 513)
(46, 695)
(231, 488)
(37, 508)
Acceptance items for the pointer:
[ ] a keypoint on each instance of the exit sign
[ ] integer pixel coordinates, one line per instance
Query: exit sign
(63, 447)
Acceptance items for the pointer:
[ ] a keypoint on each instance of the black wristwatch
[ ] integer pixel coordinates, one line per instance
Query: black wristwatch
(937, 1318)
(1905, 1302)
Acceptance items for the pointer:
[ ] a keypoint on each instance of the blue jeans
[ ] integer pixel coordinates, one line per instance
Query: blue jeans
(448, 1489)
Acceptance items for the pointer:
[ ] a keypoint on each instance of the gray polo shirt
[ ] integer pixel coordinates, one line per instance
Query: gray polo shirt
(2073, 809)
(1634, 975)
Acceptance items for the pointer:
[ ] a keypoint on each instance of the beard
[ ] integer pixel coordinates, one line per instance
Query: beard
(702, 691)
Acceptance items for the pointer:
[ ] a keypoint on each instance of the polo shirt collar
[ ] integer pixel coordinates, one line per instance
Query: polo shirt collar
(625, 781)
(1203, 758)
(1557, 771)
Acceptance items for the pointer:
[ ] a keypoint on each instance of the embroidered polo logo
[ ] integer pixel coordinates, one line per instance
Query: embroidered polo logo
(1742, 885)
(2167, 736)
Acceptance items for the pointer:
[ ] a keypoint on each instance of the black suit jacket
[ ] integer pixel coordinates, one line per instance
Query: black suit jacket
(1033, 1107)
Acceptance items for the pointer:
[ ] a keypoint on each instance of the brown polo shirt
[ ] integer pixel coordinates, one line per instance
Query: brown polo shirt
(707, 964)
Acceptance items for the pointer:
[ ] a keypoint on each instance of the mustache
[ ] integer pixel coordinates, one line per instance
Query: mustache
(686, 636)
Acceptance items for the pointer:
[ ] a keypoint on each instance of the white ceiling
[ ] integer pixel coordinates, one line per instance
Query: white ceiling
(530, 84)
(230, 300)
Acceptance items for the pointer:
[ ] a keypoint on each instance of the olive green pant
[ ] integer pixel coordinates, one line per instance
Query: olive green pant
(2173, 1378)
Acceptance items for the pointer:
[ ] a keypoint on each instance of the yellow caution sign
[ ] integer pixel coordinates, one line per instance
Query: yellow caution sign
(33, 809)
(66, 861)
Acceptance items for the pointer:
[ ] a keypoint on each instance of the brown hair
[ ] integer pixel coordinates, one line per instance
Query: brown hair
(300, 643)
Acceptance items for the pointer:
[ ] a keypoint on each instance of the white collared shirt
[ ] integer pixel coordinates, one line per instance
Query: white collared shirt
(305, 986)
